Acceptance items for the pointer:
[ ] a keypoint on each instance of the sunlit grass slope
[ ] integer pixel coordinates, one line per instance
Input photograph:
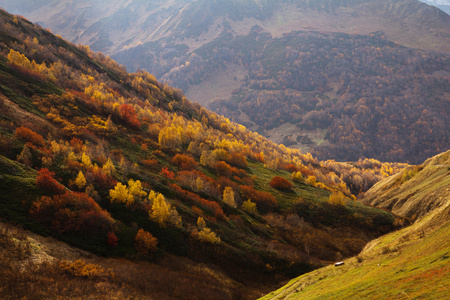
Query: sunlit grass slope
(413, 263)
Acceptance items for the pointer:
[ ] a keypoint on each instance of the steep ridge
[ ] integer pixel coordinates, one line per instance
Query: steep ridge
(413, 262)
(441, 4)
(415, 191)
(121, 165)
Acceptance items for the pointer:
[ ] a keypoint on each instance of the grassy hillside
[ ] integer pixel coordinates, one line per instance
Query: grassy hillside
(123, 166)
(416, 191)
(407, 264)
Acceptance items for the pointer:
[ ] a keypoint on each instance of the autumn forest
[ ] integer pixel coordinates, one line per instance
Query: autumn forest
(124, 166)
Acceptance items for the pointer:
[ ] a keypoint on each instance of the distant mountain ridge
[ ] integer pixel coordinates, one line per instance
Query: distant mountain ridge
(441, 4)
(108, 26)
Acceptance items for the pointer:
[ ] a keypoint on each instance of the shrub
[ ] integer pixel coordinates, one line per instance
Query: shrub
(45, 181)
(150, 163)
(280, 183)
(184, 162)
(81, 269)
(145, 242)
(337, 198)
(311, 180)
(29, 135)
(238, 160)
(73, 213)
(223, 169)
(297, 177)
(113, 240)
(249, 207)
(208, 236)
(167, 173)
(129, 115)
(290, 168)
(264, 200)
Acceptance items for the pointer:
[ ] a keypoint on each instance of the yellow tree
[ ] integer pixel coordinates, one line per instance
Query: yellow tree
(80, 182)
(199, 184)
(135, 188)
(25, 156)
(228, 196)
(86, 160)
(108, 167)
(249, 207)
(121, 194)
(205, 234)
(337, 198)
(201, 223)
(152, 196)
(311, 180)
(160, 210)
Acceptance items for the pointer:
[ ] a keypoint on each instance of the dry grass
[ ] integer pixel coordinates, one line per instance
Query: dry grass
(33, 267)
(412, 263)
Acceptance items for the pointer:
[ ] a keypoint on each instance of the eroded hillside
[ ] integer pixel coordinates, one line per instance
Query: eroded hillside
(415, 191)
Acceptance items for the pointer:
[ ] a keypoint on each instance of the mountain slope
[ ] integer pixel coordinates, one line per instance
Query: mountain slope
(109, 27)
(416, 191)
(286, 70)
(122, 165)
(410, 263)
(441, 4)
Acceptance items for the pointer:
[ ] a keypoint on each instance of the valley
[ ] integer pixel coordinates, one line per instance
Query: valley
(327, 141)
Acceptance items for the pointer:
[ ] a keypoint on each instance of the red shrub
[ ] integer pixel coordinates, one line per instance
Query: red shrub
(184, 162)
(145, 242)
(29, 135)
(150, 163)
(238, 160)
(76, 144)
(102, 179)
(223, 169)
(113, 240)
(280, 183)
(73, 213)
(290, 168)
(211, 206)
(26, 72)
(129, 115)
(197, 211)
(167, 173)
(306, 172)
(45, 181)
(225, 181)
(264, 200)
